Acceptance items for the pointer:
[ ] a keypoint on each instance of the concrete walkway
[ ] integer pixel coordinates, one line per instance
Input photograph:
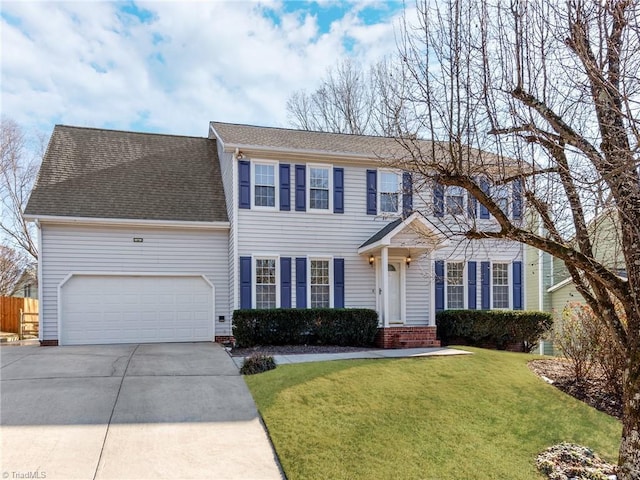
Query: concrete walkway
(379, 353)
(157, 411)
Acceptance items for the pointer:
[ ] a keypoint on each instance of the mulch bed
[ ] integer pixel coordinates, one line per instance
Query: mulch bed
(592, 391)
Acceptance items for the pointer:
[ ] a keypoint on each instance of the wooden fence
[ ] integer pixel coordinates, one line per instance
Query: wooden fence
(19, 315)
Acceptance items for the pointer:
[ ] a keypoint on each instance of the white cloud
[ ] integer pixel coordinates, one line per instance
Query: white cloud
(89, 63)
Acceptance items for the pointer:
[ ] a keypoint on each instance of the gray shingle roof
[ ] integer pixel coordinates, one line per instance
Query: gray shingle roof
(98, 173)
(380, 234)
(302, 140)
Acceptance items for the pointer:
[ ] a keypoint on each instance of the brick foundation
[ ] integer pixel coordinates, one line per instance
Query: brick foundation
(407, 337)
(48, 343)
(224, 339)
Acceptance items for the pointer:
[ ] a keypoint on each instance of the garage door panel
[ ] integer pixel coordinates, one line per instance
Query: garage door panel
(132, 309)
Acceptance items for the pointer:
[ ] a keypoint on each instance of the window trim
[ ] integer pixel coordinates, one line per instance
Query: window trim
(254, 280)
(379, 192)
(276, 180)
(464, 283)
(463, 207)
(331, 279)
(508, 197)
(329, 168)
(509, 286)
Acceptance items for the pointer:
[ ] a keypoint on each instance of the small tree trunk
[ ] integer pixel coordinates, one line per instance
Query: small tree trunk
(629, 459)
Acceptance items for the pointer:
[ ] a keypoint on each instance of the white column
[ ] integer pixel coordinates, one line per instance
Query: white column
(385, 285)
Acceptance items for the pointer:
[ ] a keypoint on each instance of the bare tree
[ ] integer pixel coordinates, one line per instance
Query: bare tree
(351, 99)
(12, 265)
(552, 90)
(18, 170)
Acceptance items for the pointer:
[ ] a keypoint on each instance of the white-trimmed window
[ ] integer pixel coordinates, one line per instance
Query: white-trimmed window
(455, 285)
(501, 195)
(500, 285)
(266, 283)
(320, 184)
(320, 283)
(265, 180)
(454, 200)
(389, 199)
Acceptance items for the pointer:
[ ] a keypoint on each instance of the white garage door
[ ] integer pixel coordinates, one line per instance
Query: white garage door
(135, 309)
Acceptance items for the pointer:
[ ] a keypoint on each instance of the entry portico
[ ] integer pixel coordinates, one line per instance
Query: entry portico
(391, 251)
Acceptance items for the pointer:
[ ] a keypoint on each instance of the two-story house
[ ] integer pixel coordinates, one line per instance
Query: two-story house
(154, 238)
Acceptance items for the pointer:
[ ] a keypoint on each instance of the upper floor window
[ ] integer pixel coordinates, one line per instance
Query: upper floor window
(320, 284)
(500, 285)
(500, 195)
(266, 291)
(389, 192)
(264, 180)
(454, 200)
(319, 187)
(455, 285)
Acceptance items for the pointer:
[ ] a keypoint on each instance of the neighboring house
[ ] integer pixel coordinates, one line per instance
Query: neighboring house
(27, 284)
(154, 238)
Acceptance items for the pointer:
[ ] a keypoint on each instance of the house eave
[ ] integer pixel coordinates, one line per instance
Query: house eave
(129, 222)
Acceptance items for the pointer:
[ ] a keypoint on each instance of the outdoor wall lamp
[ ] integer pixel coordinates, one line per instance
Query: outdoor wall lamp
(371, 260)
(408, 260)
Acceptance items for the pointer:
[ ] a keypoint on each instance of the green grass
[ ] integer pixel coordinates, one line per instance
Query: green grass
(481, 416)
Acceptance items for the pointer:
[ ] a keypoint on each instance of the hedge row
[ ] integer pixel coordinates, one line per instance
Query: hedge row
(492, 328)
(288, 326)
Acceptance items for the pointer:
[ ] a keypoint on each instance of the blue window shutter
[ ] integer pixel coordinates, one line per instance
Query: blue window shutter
(472, 205)
(244, 187)
(285, 187)
(285, 282)
(372, 192)
(439, 264)
(517, 285)
(438, 199)
(484, 186)
(338, 190)
(485, 279)
(245, 282)
(407, 194)
(301, 188)
(301, 282)
(517, 199)
(472, 279)
(338, 282)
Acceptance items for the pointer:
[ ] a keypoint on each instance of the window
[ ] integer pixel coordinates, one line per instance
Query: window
(500, 285)
(265, 185)
(319, 284)
(454, 200)
(455, 285)
(389, 192)
(319, 188)
(266, 283)
(500, 195)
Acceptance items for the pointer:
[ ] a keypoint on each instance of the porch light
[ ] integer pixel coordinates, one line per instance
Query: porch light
(408, 260)
(371, 260)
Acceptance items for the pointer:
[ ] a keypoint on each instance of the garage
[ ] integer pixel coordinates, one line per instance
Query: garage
(100, 309)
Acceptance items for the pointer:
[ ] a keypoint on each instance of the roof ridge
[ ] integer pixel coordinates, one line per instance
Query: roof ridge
(115, 130)
(289, 129)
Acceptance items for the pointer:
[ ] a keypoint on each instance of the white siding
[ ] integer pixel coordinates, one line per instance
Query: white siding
(230, 195)
(301, 234)
(67, 249)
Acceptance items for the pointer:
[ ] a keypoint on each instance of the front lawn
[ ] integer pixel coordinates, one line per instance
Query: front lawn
(481, 416)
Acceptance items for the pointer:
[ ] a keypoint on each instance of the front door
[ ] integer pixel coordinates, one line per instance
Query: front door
(395, 315)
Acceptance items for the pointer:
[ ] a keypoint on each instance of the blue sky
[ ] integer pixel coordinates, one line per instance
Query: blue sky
(171, 67)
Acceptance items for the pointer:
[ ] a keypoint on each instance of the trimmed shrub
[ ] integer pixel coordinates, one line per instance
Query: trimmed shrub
(292, 326)
(257, 363)
(492, 328)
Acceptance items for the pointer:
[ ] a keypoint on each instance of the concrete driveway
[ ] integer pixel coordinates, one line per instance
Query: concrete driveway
(129, 412)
